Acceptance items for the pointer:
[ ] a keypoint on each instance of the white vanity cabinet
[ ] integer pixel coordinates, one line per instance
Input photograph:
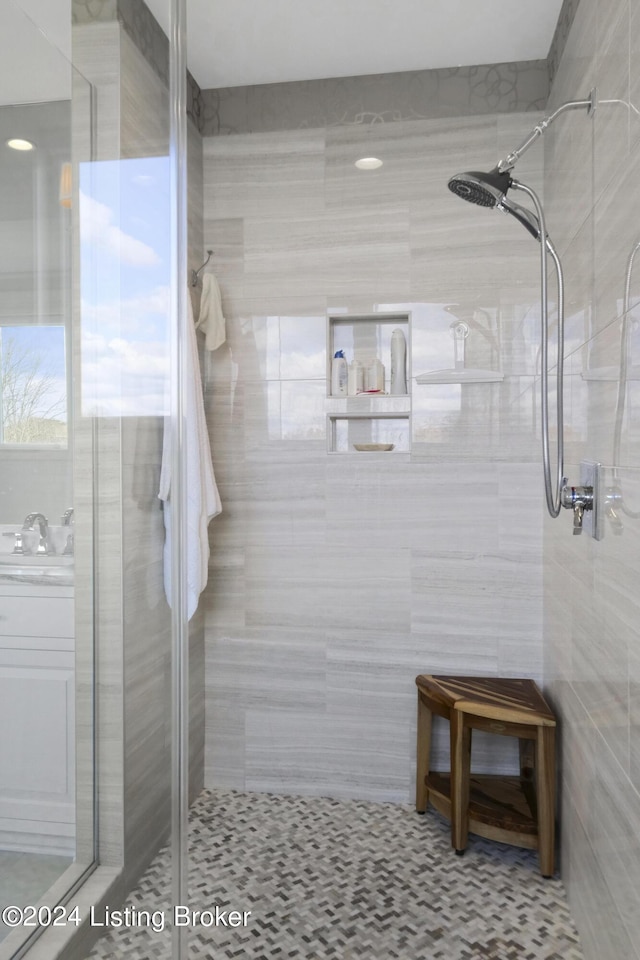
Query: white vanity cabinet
(37, 730)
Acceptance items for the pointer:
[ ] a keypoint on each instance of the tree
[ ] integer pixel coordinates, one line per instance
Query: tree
(31, 406)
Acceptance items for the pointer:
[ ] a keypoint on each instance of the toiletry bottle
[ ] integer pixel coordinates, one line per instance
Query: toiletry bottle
(339, 375)
(374, 376)
(398, 362)
(356, 378)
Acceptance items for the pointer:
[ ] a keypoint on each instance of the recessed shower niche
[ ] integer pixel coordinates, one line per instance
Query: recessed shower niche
(369, 418)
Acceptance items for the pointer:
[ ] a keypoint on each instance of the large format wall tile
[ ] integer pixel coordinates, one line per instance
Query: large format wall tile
(336, 579)
(591, 606)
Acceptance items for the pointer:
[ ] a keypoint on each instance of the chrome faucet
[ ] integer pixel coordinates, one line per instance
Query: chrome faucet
(577, 499)
(43, 523)
(67, 517)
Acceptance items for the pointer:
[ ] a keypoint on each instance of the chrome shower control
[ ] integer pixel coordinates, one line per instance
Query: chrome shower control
(577, 499)
(583, 500)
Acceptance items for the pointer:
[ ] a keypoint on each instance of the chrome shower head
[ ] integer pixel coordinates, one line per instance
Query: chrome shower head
(485, 189)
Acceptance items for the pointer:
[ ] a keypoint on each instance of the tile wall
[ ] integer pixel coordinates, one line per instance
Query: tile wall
(335, 579)
(592, 612)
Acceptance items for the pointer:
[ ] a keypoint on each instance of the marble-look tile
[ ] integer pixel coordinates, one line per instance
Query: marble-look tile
(225, 595)
(578, 263)
(563, 27)
(418, 158)
(285, 419)
(280, 669)
(319, 754)
(265, 174)
(225, 236)
(602, 932)
(265, 343)
(145, 114)
(225, 738)
(363, 504)
(473, 421)
(195, 205)
(634, 76)
(344, 250)
(616, 236)
(520, 527)
(196, 702)
(329, 586)
(600, 671)
(359, 551)
(615, 836)
(496, 618)
(568, 143)
(576, 756)
(611, 122)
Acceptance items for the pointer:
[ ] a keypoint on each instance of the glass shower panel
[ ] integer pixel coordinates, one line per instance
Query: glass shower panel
(133, 298)
(46, 487)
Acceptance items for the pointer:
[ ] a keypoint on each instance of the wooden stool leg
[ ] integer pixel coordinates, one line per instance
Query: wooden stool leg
(460, 776)
(545, 797)
(423, 754)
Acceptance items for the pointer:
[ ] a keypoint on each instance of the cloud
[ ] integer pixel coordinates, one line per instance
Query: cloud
(97, 227)
(123, 377)
(146, 315)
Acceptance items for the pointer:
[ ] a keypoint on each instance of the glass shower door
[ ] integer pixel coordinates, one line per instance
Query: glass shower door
(46, 490)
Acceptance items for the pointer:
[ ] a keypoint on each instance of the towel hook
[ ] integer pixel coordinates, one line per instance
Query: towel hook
(195, 273)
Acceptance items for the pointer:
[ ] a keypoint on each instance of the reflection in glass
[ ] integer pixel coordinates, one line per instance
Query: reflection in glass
(46, 648)
(33, 385)
(124, 208)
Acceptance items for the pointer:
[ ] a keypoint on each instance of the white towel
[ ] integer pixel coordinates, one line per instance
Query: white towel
(202, 498)
(211, 320)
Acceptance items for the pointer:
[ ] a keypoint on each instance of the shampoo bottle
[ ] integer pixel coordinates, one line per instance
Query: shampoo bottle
(398, 362)
(339, 375)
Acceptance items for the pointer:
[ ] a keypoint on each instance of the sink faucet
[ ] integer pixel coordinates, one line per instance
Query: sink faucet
(67, 517)
(43, 523)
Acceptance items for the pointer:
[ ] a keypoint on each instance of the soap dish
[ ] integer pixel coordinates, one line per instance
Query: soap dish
(369, 447)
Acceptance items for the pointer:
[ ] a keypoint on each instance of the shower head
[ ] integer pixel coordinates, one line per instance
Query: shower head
(485, 189)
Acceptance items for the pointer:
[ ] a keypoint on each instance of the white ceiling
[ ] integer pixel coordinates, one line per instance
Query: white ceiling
(237, 42)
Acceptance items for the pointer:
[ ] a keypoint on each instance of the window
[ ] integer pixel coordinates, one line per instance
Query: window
(33, 385)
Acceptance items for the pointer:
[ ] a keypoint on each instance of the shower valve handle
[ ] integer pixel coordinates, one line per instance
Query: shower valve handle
(577, 499)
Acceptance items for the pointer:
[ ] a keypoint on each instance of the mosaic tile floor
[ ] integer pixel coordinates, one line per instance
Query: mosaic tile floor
(339, 880)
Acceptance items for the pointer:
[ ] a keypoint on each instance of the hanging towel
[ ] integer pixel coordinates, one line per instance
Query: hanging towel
(201, 497)
(211, 320)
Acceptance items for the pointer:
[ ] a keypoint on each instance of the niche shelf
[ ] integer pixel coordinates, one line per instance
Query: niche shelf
(372, 434)
(368, 418)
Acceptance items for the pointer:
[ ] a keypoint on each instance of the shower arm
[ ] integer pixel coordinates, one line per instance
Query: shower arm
(510, 161)
(554, 497)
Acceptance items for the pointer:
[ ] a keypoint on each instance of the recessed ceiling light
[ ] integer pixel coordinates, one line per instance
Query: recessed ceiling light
(17, 144)
(368, 163)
